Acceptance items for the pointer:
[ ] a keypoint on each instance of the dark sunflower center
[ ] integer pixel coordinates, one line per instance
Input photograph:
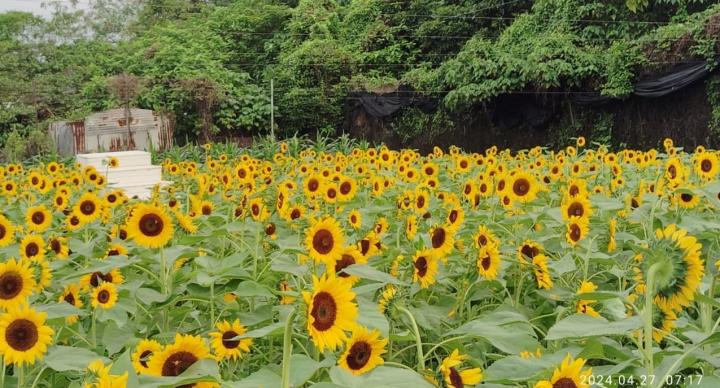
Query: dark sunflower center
(575, 209)
(521, 187)
(324, 311)
(103, 296)
(38, 218)
(575, 232)
(177, 363)
(364, 246)
(21, 334)
(429, 171)
(482, 240)
(345, 188)
(323, 241)
(359, 355)
(634, 203)
(706, 165)
(438, 238)
(453, 216)
(501, 185)
(331, 193)
(420, 202)
(421, 265)
(564, 382)
(455, 378)
(468, 189)
(270, 229)
(11, 284)
(32, 249)
(313, 185)
(295, 214)
(87, 207)
(74, 221)
(97, 277)
(529, 251)
(151, 225)
(485, 262)
(122, 234)
(686, 197)
(255, 209)
(206, 210)
(3, 231)
(144, 356)
(344, 262)
(55, 246)
(673, 172)
(112, 198)
(69, 298)
(228, 341)
(35, 181)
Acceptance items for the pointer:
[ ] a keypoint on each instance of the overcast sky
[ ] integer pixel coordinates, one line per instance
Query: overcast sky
(34, 6)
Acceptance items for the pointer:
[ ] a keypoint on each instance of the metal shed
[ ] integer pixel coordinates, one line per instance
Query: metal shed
(108, 131)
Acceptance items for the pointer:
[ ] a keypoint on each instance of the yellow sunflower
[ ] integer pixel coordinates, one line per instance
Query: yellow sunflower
(94, 279)
(523, 187)
(577, 229)
(59, 246)
(32, 247)
(578, 206)
(528, 250)
(542, 275)
(706, 165)
(105, 295)
(149, 226)
(350, 255)
(686, 199)
(38, 218)
(459, 378)
(331, 311)
(16, 283)
(325, 240)
(144, 351)
(174, 359)
(484, 236)
(7, 231)
(426, 268)
(71, 295)
(569, 374)
(355, 219)
(584, 305)
(363, 352)
(488, 261)
(24, 337)
(442, 241)
(88, 208)
(224, 341)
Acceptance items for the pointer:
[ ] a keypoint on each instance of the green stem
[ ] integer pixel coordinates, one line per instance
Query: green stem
(647, 317)
(20, 376)
(212, 303)
(418, 339)
(287, 349)
(93, 330)
(444, 342)
(37, 378)
(707, 308)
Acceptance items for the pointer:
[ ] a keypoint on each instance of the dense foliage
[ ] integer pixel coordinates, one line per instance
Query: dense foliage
(210, 63)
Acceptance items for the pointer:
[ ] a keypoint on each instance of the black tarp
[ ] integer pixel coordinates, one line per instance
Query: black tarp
(384, 105)
(656, 86)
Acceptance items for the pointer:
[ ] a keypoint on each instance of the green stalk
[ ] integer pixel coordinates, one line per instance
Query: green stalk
(418, 339)
(647, 318)
(287, 349)
(21, 375)
(212, 303)
(707, 309)
(93, 330)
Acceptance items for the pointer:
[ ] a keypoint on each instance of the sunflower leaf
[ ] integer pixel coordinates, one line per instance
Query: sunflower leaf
(367, 272)
(583, 325)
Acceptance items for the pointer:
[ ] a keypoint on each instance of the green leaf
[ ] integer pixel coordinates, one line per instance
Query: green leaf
(60, 310)
(272, 329)
(251, 288)
(203, 370)
(380, 377)
(583, 325)
(367, 272)
(65, 358)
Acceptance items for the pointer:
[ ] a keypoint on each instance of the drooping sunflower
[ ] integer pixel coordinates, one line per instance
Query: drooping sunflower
(577, 229)
(426, 268)
(386, 298)
(149, 226)
(38, 218)
(523, 187)
(363, 352)
(682, 268)
(488, 261)
(663, 321)
(16, 283)
(224, 342)
(442, 240)
(542, 274)
(331, 311)
(88, 208)
(24, 337)
(325, 240)
(612, 243)
(32, 247)
(176, 358)
(7, 231)
(569, 374)
(459, 378)
(105, 295)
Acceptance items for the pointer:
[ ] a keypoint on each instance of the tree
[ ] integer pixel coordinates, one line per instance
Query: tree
(126, 88)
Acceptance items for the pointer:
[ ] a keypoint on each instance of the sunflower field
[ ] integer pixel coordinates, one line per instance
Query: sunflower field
(366, 267)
